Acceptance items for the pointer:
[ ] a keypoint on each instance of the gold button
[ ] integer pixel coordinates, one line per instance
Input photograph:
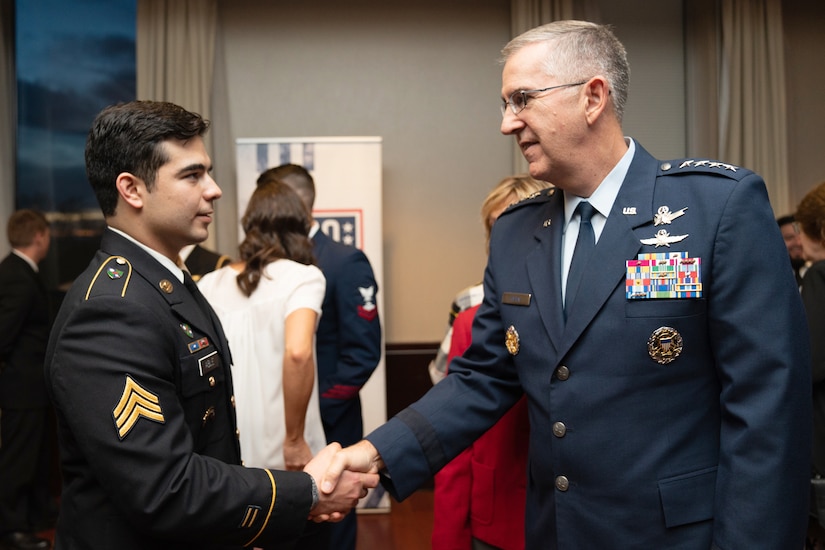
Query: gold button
(237, 433)
(562, 483)
(562, 373)
(212, 382)
(559, 429)
(232, 400)
(166, 286)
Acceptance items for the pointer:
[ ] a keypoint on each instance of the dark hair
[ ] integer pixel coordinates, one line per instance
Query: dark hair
(128, 137)
(785, 220)
(810, 214)
(296, 177)
(24, 225)
(277, 226)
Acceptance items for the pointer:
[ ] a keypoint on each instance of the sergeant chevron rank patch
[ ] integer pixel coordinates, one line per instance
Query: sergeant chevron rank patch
(136, 402)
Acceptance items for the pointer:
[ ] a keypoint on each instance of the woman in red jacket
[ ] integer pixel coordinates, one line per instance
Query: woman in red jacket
(478, 502)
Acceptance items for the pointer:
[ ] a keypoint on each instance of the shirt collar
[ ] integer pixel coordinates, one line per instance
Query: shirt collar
(163, 260)
(605, 194)
(28, 260)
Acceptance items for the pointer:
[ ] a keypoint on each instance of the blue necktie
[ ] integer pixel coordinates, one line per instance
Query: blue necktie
(585, 243)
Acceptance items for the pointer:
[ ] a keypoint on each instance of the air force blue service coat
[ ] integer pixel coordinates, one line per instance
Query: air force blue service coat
(140, 378)
(655, 422)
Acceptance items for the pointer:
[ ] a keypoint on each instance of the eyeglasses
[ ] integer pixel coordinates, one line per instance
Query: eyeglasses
(518, 99)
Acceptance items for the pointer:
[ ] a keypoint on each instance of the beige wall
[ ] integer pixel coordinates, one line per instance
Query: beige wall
(425, 78)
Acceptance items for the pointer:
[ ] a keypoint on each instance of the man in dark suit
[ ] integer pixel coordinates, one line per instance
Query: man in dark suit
(348, 345)
(669, 400)
(139, 369)
(24, 405)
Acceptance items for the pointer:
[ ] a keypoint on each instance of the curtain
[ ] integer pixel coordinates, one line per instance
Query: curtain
(526, 14)
(752, 109)
(736, 109)
(702, 68)
(176, 56)
(7, 119)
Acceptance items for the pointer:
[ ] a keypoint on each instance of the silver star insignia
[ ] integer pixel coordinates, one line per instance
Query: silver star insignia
(665, 216)
(663, 238)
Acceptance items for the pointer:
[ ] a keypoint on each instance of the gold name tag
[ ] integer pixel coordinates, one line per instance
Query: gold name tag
(516, 298)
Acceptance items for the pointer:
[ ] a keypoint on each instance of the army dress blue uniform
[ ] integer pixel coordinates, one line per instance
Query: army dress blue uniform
(654, 422)
(139, 372)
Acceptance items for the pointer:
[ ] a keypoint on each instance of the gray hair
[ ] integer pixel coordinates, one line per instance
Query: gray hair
(580, 50)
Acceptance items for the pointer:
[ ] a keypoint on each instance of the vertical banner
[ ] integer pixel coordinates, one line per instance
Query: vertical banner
(347, 174)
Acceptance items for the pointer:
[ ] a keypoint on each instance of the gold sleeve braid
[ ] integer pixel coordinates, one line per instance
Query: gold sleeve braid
(269, 512)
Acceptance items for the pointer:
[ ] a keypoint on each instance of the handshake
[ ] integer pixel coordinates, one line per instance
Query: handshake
(343, 477)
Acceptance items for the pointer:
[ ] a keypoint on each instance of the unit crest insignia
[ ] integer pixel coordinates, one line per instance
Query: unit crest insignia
(511, 341)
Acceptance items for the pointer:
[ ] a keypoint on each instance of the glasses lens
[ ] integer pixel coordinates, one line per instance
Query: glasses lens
(518, 101)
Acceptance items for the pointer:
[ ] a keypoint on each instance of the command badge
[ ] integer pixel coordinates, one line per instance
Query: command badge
(664, 345)
(511, 340)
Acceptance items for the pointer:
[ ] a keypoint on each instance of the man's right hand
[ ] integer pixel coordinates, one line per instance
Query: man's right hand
(344, 494)
(361, 457)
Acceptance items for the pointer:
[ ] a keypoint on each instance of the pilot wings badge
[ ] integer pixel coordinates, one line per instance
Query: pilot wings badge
(663, 238)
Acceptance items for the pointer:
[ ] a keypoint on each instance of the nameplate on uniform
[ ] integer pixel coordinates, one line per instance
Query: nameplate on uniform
(664, 275)
(208, 363)
(516, 298)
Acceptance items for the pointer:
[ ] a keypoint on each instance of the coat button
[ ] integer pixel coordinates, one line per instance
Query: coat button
(237, 433)
(559, 429)
(562, 483)
(562, 373)
(232, 401)
(212, 382)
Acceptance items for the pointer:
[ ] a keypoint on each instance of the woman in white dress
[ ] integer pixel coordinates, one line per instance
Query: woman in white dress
(269, 303)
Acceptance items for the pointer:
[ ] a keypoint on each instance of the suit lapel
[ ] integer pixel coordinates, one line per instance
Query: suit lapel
(178, 297)
(545, 280)
(617, 244)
